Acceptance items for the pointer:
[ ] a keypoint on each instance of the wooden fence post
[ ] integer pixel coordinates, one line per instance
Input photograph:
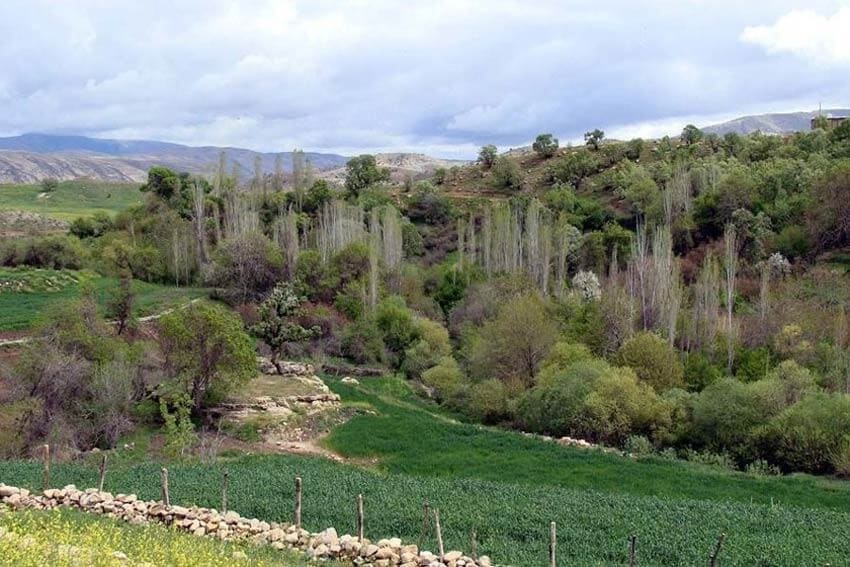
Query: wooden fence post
(440, 547)
(45, 479)
(712, 561)
(224, 491)
(102, 473)
(166, 498)
(553, 539)
(632, 545)
(426, 522)
(473, 545)
(360, 518)
(298, 502)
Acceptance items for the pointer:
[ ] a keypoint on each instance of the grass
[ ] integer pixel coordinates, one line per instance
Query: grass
(66, 537)
(410, 437)
(508, 488)
(26, 292)
(71, 199)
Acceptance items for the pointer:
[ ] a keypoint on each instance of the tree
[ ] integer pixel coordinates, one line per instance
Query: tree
(514, 344)
(575, 167)
(207, 352)
(545, 145)
(120, 306)
(506, 174)
(828, 214)
(691, 135)
(49, 184)
(487, 156)
(653, 360)
(278, 324)
(162, 182)
(246, 266)
(593, 138)
(362, 172)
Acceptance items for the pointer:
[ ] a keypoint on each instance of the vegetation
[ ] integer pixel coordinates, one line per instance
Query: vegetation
(68, 538)
(67, 200)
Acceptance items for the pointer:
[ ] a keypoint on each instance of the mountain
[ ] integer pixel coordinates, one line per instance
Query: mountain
(29, 158)
(401, 165)
(776, 123)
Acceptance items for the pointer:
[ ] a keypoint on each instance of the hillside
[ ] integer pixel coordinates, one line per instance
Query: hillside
(30, 158)
(776, 123)
(401, 165)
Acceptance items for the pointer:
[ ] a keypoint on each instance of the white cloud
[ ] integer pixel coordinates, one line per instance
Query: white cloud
(807, 34)
(434, 75)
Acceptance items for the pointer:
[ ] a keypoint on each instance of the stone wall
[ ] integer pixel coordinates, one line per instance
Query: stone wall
(205, 522)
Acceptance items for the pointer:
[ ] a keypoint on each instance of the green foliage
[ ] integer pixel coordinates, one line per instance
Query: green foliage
(514, 344)
(278, 319)
(653, 360)
(487, 156)
(245, 267)
(593, 138)
(362, 172)
(412, 243)
(56, 252)
(318, 194)
(575, 167)
(446, 378)
(70, 199)
(363, 342)
(488, 401)
(162, 182)
(692, 135)
(506, 174)
(700, 372)
(207, 352)
(91, 227)
(545, 145)
(432, 345)
(396, 323)
(179, 430)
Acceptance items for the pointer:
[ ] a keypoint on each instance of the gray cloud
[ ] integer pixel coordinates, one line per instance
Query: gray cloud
(441, 76)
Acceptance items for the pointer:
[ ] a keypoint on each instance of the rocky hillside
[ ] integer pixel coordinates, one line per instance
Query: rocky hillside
(777, 123)
(30, 158)
(400, 165)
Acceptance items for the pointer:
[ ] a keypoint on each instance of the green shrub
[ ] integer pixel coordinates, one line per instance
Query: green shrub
(488, 401)
(638, 446)
(700, 372)
(445, 378)
(433, 344)
(396, 323)
(653, 360)
(362, 342)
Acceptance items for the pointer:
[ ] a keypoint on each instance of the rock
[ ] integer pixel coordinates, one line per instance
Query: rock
(350, 380)
(369, 550)
(266, 366)
(452, 556)
(484, 561)
(276, 534)
(240, 555)
(119, 556)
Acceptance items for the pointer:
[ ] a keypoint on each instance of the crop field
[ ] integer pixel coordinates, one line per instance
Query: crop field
(71, 199)
(26, 292)
(65, 537)
(508, 488)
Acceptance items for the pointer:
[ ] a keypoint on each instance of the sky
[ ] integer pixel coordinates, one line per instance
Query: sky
(441, 77)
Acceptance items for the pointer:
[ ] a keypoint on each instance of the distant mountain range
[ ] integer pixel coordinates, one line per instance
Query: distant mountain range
(776, 123)
(30, 158)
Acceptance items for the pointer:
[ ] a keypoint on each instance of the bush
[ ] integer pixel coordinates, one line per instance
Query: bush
(653, 360)
(638, 446)
(810, 435)
(91, 227)
(699, 372)
(362, 342)
(396, 323)
(56, 252)
(433, 344)
(506, 174)
(545, 145)
(445, 378)
(488, 401)
(245, 267)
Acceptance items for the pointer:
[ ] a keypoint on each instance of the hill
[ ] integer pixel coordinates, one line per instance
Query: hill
(400, 165)
(29, 158)
(775, 123)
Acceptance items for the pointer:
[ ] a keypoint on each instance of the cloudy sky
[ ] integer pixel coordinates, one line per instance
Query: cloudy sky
(441, 76)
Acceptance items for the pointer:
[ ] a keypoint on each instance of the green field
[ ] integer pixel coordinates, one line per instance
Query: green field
(508, 488)
(71, 199)
(66, 537)
(26, 292)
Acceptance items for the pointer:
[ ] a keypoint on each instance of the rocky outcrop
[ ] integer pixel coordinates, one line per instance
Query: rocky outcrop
(206, 522)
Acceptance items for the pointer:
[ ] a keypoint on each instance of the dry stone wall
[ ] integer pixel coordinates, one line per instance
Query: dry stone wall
(208, 522)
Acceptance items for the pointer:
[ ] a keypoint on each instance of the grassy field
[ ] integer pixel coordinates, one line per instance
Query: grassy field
(71, 199)
(65, 537)
(508, 488)
(27, 292)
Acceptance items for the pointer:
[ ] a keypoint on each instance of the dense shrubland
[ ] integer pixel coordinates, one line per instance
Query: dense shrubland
(681, 295)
